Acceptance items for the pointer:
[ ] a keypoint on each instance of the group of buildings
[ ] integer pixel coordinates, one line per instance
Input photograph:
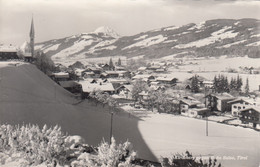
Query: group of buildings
(118, 82)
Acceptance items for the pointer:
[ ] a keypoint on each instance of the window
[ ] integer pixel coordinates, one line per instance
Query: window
(239, 108)
(235, 106)
(244, 107)
(250, 111)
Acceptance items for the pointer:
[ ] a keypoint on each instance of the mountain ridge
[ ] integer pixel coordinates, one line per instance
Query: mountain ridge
(210, 38)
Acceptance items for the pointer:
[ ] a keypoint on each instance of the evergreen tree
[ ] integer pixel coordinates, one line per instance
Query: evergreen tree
(119, 63)
(111, 64)
(247, 86)
(195, 84)
(232, 85)
(239, 83)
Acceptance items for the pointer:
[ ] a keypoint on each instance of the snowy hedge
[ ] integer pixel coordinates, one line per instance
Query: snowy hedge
(29, 145)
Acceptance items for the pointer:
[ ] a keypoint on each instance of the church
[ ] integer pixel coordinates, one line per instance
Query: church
(28, 48)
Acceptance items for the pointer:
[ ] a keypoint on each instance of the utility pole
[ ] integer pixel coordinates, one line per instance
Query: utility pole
(111, 127)
(206, 112)
(207, 125)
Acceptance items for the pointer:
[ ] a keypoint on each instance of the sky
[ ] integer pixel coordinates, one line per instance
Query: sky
(54, 19)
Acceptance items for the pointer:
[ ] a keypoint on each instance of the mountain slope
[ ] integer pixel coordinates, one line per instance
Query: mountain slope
(210, 38)
(29, 96)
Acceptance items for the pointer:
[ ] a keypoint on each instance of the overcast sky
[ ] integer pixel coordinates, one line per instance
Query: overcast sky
(61, 18)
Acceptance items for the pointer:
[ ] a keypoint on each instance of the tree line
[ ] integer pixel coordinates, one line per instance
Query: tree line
(221, 84)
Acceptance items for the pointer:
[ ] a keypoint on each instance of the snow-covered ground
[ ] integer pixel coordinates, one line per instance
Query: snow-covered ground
(166, 134)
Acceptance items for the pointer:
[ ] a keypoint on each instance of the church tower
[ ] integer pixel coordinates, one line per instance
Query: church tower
(32, 38)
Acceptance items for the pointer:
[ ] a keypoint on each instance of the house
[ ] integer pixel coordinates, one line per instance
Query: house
(197, 112)
(110, 74)
(219, 102)
(124, 74)
(187, 103)
(88, 87)
(61, 76)
(125, 91)
(92, 72)
(145, 78)
(167, 80)
(71, 86)
(250, 116)
(237, 105)
(242, 103)
(207, 84)
(154, 67)
(161, 70)
(201, 80)
(120, 68)
(8, 52)
(107, 67)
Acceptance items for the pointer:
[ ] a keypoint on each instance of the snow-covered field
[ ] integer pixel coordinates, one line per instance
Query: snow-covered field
(208, 68)
(167, 134)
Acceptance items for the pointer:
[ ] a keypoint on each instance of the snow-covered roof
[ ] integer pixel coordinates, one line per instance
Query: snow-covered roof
(142, 68)
(61, 75)
(128, 87)
(142, 76)
(117, 80)
(5, 48)
(90, 87)
(111, 72)
(257, 109)
(224, 96)
(165, 78)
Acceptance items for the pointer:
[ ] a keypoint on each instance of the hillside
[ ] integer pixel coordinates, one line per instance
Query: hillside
(29, 96)
(210, 38)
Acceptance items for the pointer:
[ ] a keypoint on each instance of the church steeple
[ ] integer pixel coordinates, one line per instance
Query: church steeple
(32, 35)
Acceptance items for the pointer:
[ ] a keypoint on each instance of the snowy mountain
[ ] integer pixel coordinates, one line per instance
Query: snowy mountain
(210, 38)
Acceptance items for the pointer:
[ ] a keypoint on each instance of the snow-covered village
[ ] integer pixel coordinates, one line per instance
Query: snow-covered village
(164, 87)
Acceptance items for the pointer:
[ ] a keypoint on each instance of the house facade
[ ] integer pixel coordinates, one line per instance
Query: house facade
(219, 102)
(8, 52)
(250, 116)
(237, 105)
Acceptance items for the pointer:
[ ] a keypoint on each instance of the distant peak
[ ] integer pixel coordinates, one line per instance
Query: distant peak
(107, 31)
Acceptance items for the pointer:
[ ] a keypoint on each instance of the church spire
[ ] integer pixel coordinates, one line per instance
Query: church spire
(32, 33)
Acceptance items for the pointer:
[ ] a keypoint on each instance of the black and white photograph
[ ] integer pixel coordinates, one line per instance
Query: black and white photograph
(129, 83)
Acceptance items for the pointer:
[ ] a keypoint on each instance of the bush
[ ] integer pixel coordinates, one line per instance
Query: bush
(32, 144)
(112, 155)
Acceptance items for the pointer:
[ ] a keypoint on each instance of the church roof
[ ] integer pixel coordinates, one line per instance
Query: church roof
(32, 29)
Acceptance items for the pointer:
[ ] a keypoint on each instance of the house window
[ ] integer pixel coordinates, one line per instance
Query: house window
(235, 106)
(244, 107)
(239, 108)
